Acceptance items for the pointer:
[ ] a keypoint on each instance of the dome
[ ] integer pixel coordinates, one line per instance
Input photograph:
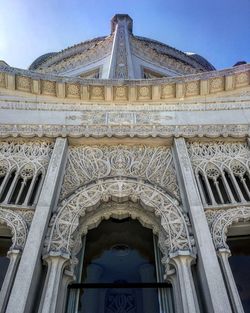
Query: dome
(121, 55)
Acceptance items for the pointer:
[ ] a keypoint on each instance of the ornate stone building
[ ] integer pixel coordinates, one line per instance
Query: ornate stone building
(124, 181)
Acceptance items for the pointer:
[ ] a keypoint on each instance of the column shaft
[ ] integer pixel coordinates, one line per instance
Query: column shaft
(213, 285)
(232, 289)
(182, 263)
(56, 265)
(14, 256)
(26, 282)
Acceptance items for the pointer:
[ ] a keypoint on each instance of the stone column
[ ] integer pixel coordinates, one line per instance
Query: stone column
(172, 278)
(182, 261)
(68, 277)
(27, 278)
(14, 256)
(224, 254)
(56, 263)
(213, 285)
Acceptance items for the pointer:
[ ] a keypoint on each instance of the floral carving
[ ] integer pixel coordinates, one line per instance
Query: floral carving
(48, 87)
(144, 92)
(193, 88)
(88, 163)
(217, 84)
(168, 91)
(23, 83)
(121, 93)
(97, 92)
(73, 90)
(242, 79)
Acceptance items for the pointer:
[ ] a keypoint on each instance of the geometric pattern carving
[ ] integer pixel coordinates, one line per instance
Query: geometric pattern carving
(24, 156)
(66, 222)
(219, 155)
(17, 225)
(88, 163)
(221, 220)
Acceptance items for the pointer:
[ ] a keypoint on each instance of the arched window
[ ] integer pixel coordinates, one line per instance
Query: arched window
(5, 244)
(120, 271)
(240, 265)
(20, 187)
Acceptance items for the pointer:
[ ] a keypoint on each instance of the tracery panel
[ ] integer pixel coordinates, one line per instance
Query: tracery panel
(22, 169)
(222, 171)
(89, 163)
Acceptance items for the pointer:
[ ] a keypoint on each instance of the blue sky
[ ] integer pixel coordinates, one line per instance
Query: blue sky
(219, 30)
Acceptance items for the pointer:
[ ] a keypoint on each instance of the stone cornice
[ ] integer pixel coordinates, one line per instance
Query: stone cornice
(122, 131)
(126, 91)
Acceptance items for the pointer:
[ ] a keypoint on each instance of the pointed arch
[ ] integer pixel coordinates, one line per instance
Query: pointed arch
(223, 221)
(88, 198)
(17, 225)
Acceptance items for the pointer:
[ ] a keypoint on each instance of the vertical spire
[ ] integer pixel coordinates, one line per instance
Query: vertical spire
(121, 66)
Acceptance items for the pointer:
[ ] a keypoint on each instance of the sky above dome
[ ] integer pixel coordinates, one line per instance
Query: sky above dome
(219, 30)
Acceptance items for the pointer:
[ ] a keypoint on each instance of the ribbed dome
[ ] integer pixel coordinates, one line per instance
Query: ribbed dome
(121, 55)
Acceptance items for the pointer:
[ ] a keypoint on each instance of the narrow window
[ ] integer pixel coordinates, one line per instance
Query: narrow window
(8, 185)
(212, 184)
(204, 188)
(231, 186)
(5, 244)
(242, 186)
(16, 191)
(239, 263)
(223, 190)
(35, 190)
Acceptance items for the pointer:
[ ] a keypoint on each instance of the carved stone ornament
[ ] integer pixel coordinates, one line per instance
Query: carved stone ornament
(65, 223)
(88, 163)
(18, 227)
(28, 157)
(212, 157)
(120, 131)
(221, 220)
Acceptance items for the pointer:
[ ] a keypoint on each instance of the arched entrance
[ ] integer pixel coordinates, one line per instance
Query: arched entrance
(152, 206)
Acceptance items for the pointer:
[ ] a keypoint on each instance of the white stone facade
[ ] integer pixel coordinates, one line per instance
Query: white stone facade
(123, 126)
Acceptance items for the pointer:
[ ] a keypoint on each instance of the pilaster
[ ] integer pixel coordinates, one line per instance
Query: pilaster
(213, 285)
(27, 277)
